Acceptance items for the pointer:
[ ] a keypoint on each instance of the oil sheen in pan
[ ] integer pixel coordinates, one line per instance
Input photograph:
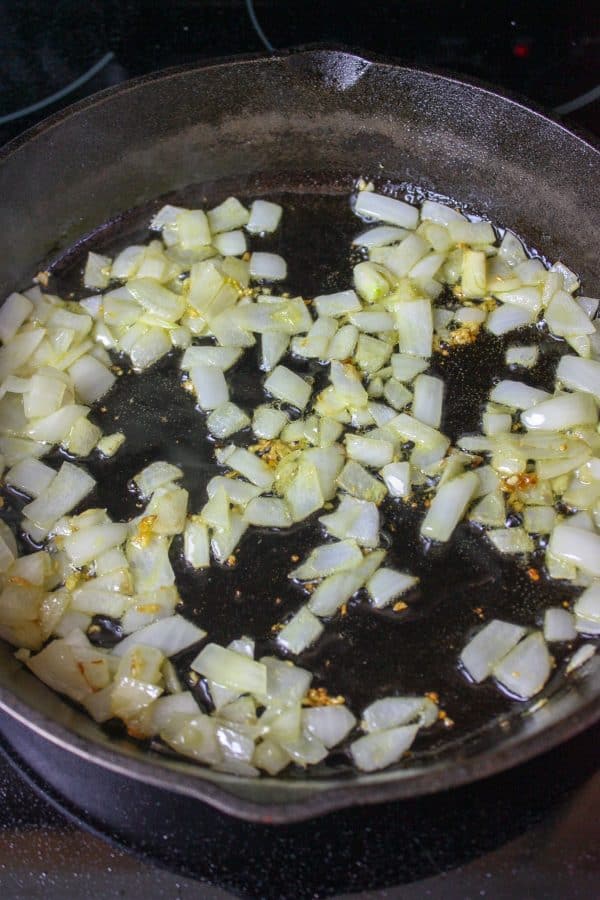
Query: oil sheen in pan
(363, 654)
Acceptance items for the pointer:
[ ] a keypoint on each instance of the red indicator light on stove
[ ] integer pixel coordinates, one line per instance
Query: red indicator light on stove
(521, 50)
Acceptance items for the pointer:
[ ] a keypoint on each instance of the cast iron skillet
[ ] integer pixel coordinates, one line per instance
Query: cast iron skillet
(302, 127)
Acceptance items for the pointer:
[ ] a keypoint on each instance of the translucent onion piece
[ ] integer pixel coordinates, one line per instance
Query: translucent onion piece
(582, 655)
(231, 669)
(288, 387)
(354, 519)
(156, 475)
(386, 585)
(390, 712)
(64, 492)
(488, 647)
(301, 631)
(524, 671)
(386, 209)
(559, 625)
(448, 507)
(268, 267)
(588, 605)
(579, 374)
(264, 217)
(329, 724)
(561, 413)
(517, 395)
(170, 636)
(13, 312)
(577, 546)
(327, 559)
(382, 748)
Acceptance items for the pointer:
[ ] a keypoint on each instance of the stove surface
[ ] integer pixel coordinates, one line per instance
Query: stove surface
(543, 837)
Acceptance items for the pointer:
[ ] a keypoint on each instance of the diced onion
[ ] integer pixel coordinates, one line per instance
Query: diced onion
(524, 671)
(386, 585)
(300, 632)
(264, 217)
(382, 748)
(559, 625)
(386, 209)
(488, 647)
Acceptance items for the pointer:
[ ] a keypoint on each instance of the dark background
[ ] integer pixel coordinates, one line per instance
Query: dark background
(532, 833)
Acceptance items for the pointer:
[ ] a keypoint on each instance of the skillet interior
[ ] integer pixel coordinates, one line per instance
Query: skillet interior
(352, 117)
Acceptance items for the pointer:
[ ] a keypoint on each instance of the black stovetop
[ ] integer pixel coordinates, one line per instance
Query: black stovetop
(543, 839)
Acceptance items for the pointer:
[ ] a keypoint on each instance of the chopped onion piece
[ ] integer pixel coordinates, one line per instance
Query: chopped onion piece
(369, 451)
(70, 486)
(508, 317)
(382, 748)
(221, 357)
(301, 631)
(110, 443)
(264, 217)
(361, 484)
(329, 724)
(13, 313)
(560, 413)
(448, 506)
(30, 476)
(288, 387)
(517, 395)
(386, 209)
(154, 476)
(405, 368)
(84, 546)
(414, 320)
(354, 520)
(474, 274)
(196, 544)
(580, 657)
(251, 467)
(522, 356)
(231, 669)
(539, 519)
(339, 304)
(97, 271)
(268, 421)
(524, 671)
(437, 212)
(226, 419)
(580, 374)
(338, 588)
(578, 546)
(511, 540)
(327, 559)
(559, 625)
(210, 386)
(230, 243)
(488, 647)
(268, 512)
(397, 479)
(393, 711)
(565, 317)
(228, 215)
(588, 605)
(170, 635)
(371, 281)
(428, 400)
(380, 236)
(268, 267)
(386, 585)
